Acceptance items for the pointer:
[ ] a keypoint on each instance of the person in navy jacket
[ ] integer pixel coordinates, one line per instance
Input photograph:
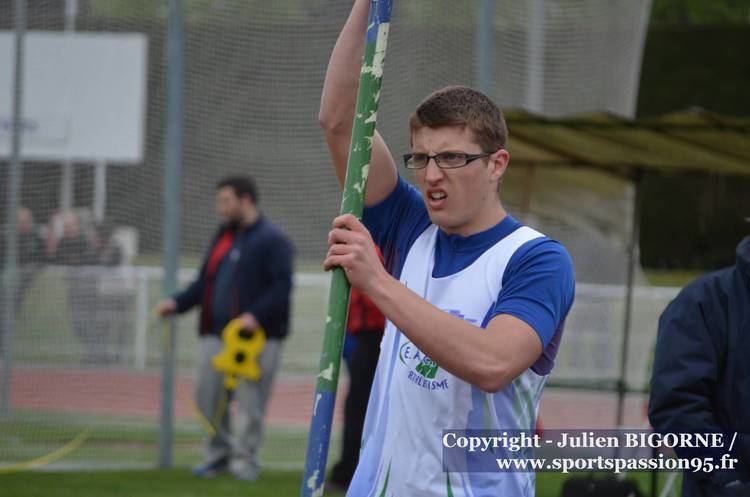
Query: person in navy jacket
(701, 375)
(247, 274)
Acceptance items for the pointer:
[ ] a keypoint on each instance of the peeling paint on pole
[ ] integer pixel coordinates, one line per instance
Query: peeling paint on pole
(360, 150)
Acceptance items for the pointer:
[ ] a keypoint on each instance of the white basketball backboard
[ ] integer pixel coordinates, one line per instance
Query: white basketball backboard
(84, 96)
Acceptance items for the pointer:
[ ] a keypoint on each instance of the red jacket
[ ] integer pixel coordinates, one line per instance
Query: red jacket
(364, 316)
(363, 313)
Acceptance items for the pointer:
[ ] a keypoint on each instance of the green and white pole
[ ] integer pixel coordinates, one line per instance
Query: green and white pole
(360, 151)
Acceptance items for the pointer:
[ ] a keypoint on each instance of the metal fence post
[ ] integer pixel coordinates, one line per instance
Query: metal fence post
(172, 186)
(13, 187)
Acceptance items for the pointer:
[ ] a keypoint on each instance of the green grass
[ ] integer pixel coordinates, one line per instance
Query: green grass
(678, 278)
(179, 483)
(117, 442)
(145, 484)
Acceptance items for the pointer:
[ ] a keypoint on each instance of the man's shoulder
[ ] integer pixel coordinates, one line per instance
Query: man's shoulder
(544, 265)
(540, 249)
(705, 288)
(272, 234)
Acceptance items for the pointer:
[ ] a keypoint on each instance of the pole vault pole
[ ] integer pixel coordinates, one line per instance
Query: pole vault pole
(360, 151)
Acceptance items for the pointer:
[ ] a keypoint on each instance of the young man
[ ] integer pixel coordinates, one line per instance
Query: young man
(475, 301)
(247, 274)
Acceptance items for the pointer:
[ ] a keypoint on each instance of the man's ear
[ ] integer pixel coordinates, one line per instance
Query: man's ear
(498, 163)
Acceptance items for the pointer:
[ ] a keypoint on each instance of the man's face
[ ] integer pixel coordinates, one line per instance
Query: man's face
(463, 200)
(71, 227)
(228, 205)
(25, 220)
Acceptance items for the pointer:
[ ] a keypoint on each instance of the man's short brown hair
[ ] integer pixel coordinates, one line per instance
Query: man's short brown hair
(464, 107)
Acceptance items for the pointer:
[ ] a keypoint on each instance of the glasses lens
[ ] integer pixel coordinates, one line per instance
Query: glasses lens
(452, 159)
(417, 161)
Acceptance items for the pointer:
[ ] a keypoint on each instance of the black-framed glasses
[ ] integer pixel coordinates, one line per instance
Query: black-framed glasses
(444, 160)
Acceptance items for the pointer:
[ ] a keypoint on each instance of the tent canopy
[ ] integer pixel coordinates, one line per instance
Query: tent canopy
(683, 142)
(693, 140)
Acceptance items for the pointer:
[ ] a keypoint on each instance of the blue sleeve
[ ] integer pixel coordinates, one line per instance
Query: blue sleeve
(538, 287)
(396, 222)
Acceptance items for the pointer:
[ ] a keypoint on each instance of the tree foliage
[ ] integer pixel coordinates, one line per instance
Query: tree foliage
(692, 12)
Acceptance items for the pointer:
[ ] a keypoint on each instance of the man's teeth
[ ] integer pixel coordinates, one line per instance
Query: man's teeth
(437, 195)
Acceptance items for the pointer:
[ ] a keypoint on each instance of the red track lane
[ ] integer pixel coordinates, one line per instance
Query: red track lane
(130, 393)
(138, 394)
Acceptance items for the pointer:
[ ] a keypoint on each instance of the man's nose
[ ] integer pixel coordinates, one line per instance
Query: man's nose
(432, 171)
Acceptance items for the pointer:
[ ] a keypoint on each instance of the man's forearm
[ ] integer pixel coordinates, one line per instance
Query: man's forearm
(338, 105)
(342, 76)
(459, 347)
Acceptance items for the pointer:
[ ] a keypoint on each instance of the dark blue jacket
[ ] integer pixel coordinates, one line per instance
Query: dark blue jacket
(261, 281)
(701, 375)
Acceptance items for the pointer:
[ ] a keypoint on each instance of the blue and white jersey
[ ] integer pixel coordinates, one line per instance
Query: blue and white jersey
(508, 269)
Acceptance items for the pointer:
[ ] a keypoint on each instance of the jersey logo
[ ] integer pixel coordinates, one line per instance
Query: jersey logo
(427, 368)
(422, 371)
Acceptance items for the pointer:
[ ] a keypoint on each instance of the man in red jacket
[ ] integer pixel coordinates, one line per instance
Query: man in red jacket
(246, 274)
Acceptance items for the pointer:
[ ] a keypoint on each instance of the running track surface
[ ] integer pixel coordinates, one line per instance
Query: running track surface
(128, 393)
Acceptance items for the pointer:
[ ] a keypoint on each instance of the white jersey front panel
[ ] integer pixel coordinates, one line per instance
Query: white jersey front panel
(414, 400)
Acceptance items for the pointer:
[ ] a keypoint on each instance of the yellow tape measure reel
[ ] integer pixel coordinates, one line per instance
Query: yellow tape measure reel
(239, 358)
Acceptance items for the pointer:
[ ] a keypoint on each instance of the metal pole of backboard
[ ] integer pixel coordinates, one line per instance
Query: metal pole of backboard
(100, 191)
(172, 186)
(486, 39)
(13, 187)
(535, 41)
(67, 177)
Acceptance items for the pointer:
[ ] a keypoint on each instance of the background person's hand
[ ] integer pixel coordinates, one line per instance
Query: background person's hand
(166, 307)
(248, 321)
